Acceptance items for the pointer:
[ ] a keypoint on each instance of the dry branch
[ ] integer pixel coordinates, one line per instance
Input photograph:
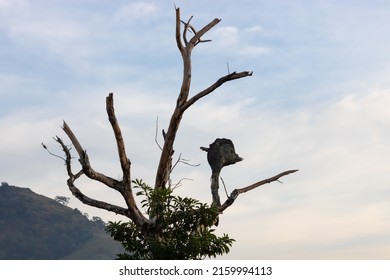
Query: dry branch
(123, 186)
(85, 163)
(125, 162)
(235, 193)
(221, 153)
(77, 193)
(185, 47)
(217, 84)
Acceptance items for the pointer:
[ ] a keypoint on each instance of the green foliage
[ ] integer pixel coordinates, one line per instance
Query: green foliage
(36, 227)
(182, 229)
(62, 199)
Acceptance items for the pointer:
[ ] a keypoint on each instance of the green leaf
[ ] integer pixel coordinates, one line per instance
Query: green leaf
(183, 229)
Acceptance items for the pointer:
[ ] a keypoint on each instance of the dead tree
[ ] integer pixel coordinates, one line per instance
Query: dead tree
(220, 153)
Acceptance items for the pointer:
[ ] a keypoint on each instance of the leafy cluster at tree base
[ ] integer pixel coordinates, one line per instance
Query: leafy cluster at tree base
(182, 228)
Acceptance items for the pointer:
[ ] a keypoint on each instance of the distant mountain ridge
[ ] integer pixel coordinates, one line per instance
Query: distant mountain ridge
(33, 226)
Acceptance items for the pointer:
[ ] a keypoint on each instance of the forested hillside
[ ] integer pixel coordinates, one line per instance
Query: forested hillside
(33, 226)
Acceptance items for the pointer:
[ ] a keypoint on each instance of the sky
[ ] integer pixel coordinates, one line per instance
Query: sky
(317, 101)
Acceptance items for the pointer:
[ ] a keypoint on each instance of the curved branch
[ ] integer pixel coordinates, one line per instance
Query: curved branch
(50, 153)
(217, 84)
(73, 139)
(131, 212)
(77, 193)
(84, 161)
(234, 194)
(187, 26)
(97, 203)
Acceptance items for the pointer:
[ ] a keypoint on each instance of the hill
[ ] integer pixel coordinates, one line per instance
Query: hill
(33, 226)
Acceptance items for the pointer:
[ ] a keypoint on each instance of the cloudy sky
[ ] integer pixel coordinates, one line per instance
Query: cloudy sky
(317, 101)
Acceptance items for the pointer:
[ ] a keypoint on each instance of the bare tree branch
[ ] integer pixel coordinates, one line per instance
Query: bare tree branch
(50, 153)
(178, 31)
(217, 84)
(123, 186)
(182, 104)
(187, 26)
(78, 194)
(235, 193)
(184, 161)
(178, 184)
(155, 136)
(221, 153)
(196, 39)
(74, 140)
(125, 162)
(224, 186)
(85, 164)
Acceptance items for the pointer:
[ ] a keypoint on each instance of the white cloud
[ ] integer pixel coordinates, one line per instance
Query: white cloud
(335, 206)
(225, 36)
(6, 4)
(253, 51)
(55, 35)
(22, 134)
(52, 32)
(231, 39)
(254, 29)
(133, 11)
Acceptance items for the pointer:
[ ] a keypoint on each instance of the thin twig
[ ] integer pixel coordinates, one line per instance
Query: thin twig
(45, 147)
(155, 136)
(224, 186)
(184, 161)
(178, 184)
(187, 26)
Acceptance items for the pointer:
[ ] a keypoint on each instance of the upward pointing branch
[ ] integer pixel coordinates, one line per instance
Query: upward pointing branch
(185, 47)
(125, 162)
(123, 186)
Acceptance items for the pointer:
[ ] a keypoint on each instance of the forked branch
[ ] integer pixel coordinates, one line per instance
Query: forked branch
(76, 191)
(221, 153)
(85, 163)
(185, 47)
(123, 186)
